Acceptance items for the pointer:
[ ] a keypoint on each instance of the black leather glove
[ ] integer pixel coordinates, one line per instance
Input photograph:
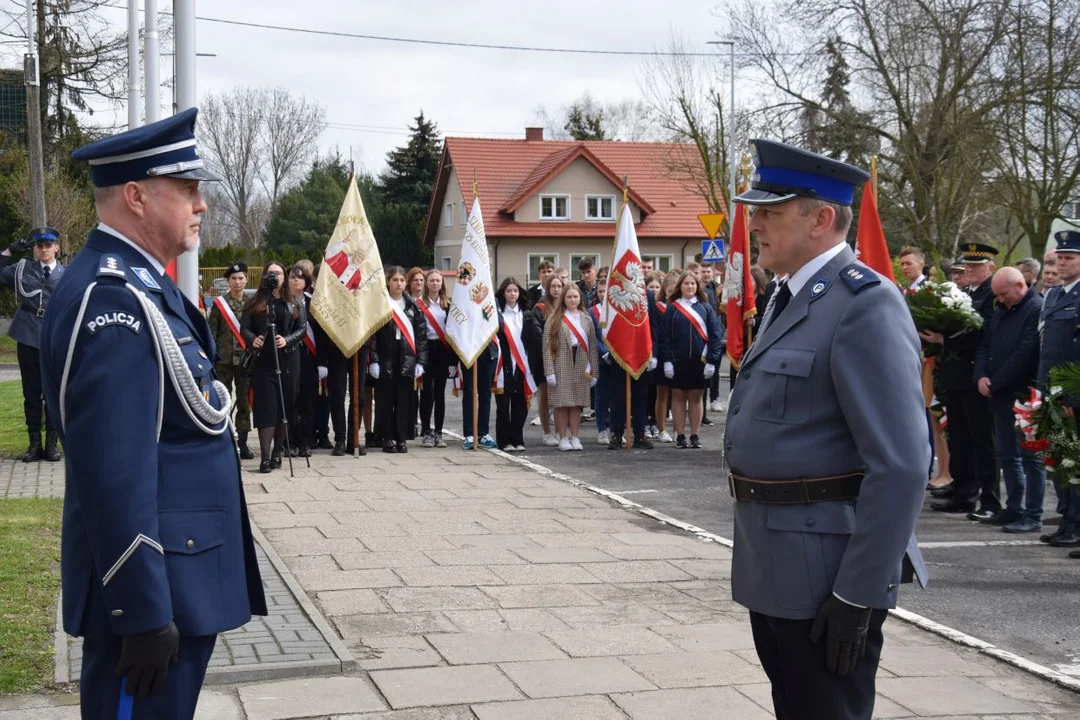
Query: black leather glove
(20, 246)
(145, 659)
(844, 627)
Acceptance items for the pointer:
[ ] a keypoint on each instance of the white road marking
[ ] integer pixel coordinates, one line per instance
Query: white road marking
(635, 492)
(961, 638)
(974, 543)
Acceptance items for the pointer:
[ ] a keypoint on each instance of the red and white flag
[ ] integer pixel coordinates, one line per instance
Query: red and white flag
(738, 294)
(626, 326)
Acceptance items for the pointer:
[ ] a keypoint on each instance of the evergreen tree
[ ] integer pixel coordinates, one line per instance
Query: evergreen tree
(835, 127)
(585, 121)
(306, 215)
(410, 174)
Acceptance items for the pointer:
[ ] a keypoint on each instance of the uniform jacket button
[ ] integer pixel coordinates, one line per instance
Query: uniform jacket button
(117, 613)
(190, 544)
(783, 363)
(809, 522)
(892, 586)
(735, 410)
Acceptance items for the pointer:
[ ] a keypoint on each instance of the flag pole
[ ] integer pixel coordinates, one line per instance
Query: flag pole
(475, 383)
(356, 403)
(873, 175)
(629, 424)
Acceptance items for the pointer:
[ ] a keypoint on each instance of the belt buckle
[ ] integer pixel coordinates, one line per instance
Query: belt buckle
(40, 312)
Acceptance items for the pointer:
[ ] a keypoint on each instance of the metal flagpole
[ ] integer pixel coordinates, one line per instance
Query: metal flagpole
(35, 153)
(152, 59)
(629, 420)
(187, 265)
(133, 64)
(356, 400)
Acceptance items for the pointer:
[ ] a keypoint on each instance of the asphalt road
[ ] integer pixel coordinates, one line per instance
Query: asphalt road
(1022, 598)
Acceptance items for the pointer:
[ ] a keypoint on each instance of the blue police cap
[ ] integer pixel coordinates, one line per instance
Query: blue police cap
(978, 253)
(165, 148)
(44, 235)
(783, 173)
(1067, 241)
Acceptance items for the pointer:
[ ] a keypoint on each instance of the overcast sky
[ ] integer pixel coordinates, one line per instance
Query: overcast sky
(383, 85)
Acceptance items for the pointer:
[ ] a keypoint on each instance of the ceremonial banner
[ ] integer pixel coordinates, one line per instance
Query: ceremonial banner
(627, 332)
(351, 301)
(472, 319)
(738, 294)
(870, 245)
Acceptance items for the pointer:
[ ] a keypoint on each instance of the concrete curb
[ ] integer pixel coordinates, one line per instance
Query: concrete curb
(61, 666)
(960, 638)
(346, 662)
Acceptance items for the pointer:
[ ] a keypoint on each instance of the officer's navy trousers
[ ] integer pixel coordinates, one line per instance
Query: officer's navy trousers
(102, 697)
(33, 396)
(803, 687)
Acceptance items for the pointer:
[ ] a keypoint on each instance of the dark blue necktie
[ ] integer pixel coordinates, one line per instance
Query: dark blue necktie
(783, 296)
(45, 272)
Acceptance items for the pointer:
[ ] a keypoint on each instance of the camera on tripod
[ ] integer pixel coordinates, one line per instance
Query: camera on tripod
(270, 281)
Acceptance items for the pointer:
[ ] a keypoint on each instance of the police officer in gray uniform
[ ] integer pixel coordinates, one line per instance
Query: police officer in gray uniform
(33, 281)
(826, 444)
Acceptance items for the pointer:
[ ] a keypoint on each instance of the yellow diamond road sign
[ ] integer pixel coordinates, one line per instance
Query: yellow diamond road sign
(712, 222)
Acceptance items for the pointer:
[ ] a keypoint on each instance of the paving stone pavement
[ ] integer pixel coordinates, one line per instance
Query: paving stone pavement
(468, 587)
(37, 479)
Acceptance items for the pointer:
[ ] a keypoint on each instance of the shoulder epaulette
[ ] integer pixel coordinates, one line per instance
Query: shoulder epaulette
(111, 266)
(858, 277)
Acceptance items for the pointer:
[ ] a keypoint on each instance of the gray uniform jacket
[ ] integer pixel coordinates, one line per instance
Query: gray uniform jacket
(32, 293)
(832, 387)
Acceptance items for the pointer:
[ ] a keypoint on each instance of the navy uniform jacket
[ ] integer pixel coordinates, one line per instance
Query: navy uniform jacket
(32, 293)
(957, 369)
(680, 341)
(832, 387)
(1009, 352)
(1060, 339)
(155, 524)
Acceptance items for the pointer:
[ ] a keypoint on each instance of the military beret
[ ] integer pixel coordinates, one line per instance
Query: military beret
(237, 267)
(1067, 241)
(45, 235)
(978, 253)
(783, 172)
(165, 148)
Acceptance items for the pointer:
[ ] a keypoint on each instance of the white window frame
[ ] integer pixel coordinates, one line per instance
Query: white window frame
(464, 214)
(530, 279)
(657, 265)
(599, 205)
(446, 263)
(553, 197)
(575, 274)
(448, 215)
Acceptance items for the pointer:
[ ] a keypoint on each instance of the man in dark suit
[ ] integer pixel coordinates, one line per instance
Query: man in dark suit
(33, 281)
(157, 556)
(536, 292)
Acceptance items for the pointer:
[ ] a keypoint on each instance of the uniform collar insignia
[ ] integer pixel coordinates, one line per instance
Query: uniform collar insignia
(818, 288)
(147, 279)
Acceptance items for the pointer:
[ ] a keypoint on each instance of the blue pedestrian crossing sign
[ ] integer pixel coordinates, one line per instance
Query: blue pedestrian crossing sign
(712, 251)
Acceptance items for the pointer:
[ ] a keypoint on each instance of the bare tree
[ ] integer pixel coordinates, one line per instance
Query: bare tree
(292, 127)
(628, 120)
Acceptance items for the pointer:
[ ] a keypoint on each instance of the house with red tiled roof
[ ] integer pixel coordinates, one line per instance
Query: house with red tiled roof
(559, 200)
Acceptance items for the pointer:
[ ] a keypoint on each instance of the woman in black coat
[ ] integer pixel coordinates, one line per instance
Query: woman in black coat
(398, 356)
(302, 435)
(517, 325)
(273, 403)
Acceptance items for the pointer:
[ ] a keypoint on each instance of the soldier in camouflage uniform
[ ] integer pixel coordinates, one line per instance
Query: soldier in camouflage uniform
(224, 315)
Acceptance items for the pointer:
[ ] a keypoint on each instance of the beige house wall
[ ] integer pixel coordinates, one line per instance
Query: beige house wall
(510, 256)
(577, 180)
(456, 231)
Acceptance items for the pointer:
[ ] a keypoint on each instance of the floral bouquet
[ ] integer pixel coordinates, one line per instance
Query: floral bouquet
(1049, 429)
(943, 308)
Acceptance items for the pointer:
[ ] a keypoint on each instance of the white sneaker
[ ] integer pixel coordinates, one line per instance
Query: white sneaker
(576, 443)
(654, 432)
(665, 437)
(536, 421)
(603, 437)
(551, 439)
(717, 405)
(565, 445)
(519, 448)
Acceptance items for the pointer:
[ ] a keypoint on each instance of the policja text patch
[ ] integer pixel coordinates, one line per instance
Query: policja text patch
(127, 320)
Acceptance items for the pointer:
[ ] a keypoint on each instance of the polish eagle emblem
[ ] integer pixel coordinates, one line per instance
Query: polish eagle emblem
(465, 273)
(627, 291)
(733, 285)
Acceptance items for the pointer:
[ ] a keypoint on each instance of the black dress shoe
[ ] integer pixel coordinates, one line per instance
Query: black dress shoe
(1050, 537)
(275, 461)
(1001, 517)
(362, 452)
(953, 506)
(695, 442)
(324, 444)
(643, 443)
(339, 449)
(1066, 540)
(615, 442)
(1075, 554)
(706, 421)
(402, 447)
(388, 447)
(942, 492)
(264, 466)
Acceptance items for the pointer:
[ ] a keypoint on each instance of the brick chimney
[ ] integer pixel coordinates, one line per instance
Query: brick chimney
(535, 134)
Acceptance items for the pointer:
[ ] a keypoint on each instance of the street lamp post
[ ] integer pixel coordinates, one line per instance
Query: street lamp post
(731, 136)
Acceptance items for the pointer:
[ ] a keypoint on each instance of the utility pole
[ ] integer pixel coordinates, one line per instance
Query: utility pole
(133, 64)
(152, 62)
(187, 265)
(33, 123)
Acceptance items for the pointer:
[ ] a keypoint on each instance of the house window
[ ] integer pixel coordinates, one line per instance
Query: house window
(575, 274)
(448, 216)
(534, 260)
(599, 207)
(663, 263)
(444, 264)
(464, 214)
(554, 207)
(1071, 210)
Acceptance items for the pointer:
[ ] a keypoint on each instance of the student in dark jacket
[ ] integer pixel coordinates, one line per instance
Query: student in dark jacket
(398, 356)
(302, 436)
(517, 329)
(1006, 366)
(691, 346)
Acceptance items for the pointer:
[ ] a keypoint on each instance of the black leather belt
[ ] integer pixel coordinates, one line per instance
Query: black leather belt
(795, 492)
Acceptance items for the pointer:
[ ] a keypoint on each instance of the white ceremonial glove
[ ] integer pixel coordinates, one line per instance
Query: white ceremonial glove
(606, 358)
(592, 382)
(323, 372)
(710, 370)
(652, 364)
(550, 380)
(669, 370)
(418, 372)
(451, 371)
(373, 371)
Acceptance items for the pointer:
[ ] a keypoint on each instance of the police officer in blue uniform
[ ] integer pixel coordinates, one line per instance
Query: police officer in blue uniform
(826, 443)
(157, 555)
(33, 282)
(1060, 329)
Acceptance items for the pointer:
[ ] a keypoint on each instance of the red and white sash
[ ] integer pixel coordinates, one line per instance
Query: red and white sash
(230, 320)
(517, 352)
(579, 334)
(438, 325)
(405, 326)
(697, 323)
(309, 340)
(662, 307)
